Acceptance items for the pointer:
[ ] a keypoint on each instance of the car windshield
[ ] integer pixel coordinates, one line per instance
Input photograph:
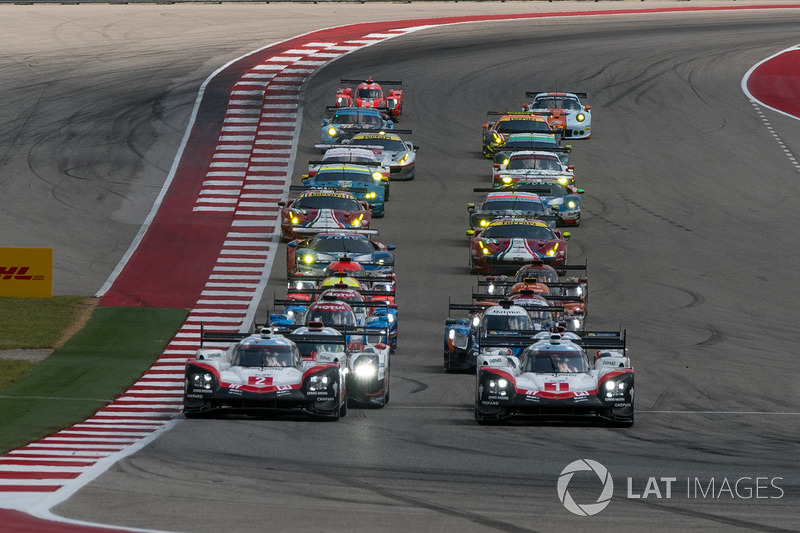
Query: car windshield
(528, 144)
(541, 273)
(522, 126)
(391, 145)
(331, 316)
(556, 362)
(544, 188)
(354, 244)
(361, 119)
(511, 204)
(311, 349)
(261, 355)
(549, 102)
(349, 158)
(369, 93)
(536, 162)
(337, 203)
(518, 231)
(506, 322)
(333, 176)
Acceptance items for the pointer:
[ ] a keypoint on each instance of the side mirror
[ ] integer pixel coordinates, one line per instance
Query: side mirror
(567, 235)
(391, 247)
(292, 244)
(325, 122)
(282, 203)
(471, 206)
(580, 191)
(470, 232)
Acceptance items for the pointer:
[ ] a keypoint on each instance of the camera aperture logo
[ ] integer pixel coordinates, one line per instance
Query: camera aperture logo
(586, 509)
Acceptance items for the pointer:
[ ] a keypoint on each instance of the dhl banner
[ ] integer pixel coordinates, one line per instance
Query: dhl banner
(26, 272)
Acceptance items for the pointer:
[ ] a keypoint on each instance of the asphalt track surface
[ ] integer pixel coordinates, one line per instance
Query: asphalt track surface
(688, 228)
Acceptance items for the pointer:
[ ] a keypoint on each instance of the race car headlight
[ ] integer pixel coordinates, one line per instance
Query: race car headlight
(332, 132)
(459, 339)
(402, 160)
(357, 221)
(484, 223)
(507, 180)
(498, 386)
(490, 289)
(377, 176)
(308, 259)
(571, 204)
(563, 180)
(497, 138)
(295, 220)
(316, 383)
(202, 380)
(580, 117)
(365, 368)
(486, 251)
(505, 162)
(475, 321)
(614, 387)
(370, 195)
(552, 251)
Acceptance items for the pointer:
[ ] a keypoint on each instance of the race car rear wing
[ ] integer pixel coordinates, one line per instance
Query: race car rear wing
(379, 82)
(314, 231)
(359, 163)
(611, 340)
(531, 94)
(321, 187)
(371, 304)
(552, 297)
(477, 307)
(367, 277)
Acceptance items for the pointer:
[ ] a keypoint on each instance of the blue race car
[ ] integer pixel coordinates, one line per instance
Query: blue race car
(347, 121)
(367, 184)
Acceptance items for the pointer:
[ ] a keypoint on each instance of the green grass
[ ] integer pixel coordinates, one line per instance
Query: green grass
(32, 323)
(12, 370)
(95, 366)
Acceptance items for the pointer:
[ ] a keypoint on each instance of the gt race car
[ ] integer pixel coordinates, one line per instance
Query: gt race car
(563, 200)
(311, 256)
(519, 142)
(555, 379)
(261, 373)
(494, 135)
(506, 244)
(369, 93)
(508, 204)
(347, 121)
(564, 111)
(532, 165)
(319, 210)
(399, 155)
(369, 186)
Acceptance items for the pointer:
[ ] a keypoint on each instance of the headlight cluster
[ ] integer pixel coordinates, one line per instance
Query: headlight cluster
(202, 380)
(402, 160)
(356, 222)
(459, 339)
(317, 383)
(614, 388)
(498, 386)
(332, 132)
(370, 195)
(497, 138)
(365, 368)
(377, 176)
(580, 117)
(308, 259)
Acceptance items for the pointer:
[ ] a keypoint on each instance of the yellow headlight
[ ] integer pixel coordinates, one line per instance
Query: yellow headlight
(308, 259)
(377, 175)
(371, 195)
(581, 117)
(507, 179)
(497, 138)
(505, 161)
(332, 132)
(403, 160)
(486, 251)
(563, 180)
(484, 223)
(295, 220)
(571, 204)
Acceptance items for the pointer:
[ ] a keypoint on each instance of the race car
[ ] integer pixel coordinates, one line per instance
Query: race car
(494, 135)
(555, 379)
(260, 373)
(563, 111)
(532, 165)
(564, 200)
(369, 93)
(367, 375)
(318, 210)
(368, 186)
(506, 244)
(519, 142)
(347, 121)
(358, 156)
(463, 337)
(312, 255)
(505, 204)
(399, 155)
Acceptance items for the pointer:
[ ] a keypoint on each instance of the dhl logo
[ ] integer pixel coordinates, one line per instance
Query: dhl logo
(18, 273)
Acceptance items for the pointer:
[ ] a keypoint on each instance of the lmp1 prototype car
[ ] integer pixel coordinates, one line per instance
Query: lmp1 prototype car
(318, 210)
(347, 121)
(501, 204)
(563, 111)
(495, 134)
(399, 155)
(369, 93)
(506, 244)
(313, 255)
(555, 379)
(463, 337)
(263, 372)
(532, 165)
(519, 142)
(368, 185)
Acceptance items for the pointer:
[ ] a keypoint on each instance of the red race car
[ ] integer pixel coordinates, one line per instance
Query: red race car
(319, 210)
(506, 244)
(369, 93)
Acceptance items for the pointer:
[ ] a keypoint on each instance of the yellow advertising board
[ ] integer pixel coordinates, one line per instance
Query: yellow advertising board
(26, 272)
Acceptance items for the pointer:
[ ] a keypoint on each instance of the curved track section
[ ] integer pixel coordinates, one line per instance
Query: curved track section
(678, 232)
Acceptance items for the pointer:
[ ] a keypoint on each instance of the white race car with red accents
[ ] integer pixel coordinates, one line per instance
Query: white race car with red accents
(555, 379)
(261, 373)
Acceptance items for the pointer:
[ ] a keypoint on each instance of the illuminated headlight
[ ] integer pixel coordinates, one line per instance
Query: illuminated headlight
(552, 251)
(571, 204)
(459, 338)
(308, 259)
(475, 321)
(370, 195)
(563, 180)
(507, 180)
(357, 222)
(497, 138)
(498, 386)
(402, 160)
(377, 176)
(295, 220)
(290, 314)
(484, 223)
(316, 383)
(580, 117)
(365, 369)
(202, 381)
(390, 318)
(612, 386)
(490, 289)
(486, 251)
(332, 132)
(505, 161)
